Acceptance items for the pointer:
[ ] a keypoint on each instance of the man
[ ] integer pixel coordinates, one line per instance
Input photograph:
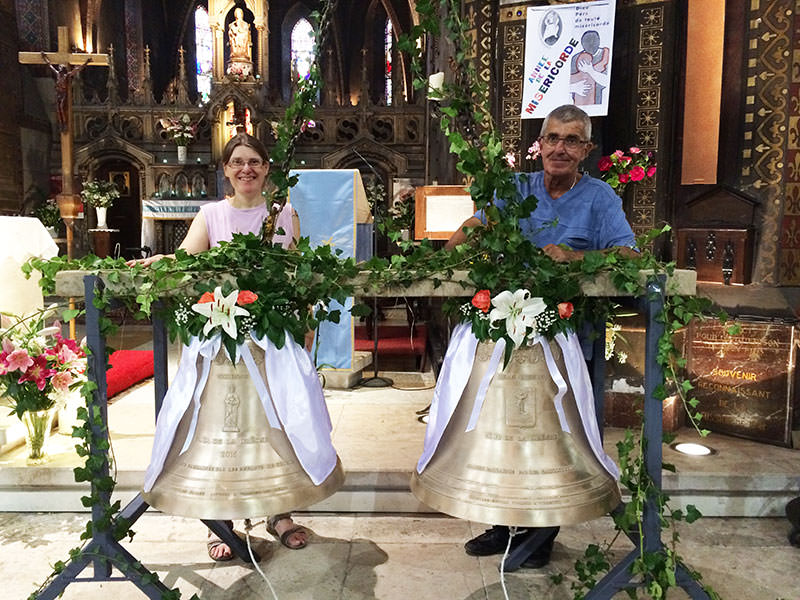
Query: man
(588, 216)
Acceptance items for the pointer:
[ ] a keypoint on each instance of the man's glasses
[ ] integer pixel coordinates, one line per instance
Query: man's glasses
(238, 163)
(572, 142)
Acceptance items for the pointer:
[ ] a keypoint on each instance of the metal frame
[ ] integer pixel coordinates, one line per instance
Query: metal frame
(103, 551)
(619, 577)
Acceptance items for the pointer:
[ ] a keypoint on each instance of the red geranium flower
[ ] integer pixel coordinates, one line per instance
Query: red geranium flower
(207, 297)
(565, 310)
(482, 300)
(246, 297)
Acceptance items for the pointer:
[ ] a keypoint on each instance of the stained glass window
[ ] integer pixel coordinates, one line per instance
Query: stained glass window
(388, 44)
(303, 50)
(203, 41)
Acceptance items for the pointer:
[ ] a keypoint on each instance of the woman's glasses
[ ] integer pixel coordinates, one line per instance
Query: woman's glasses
(572, 142)
(238, 163)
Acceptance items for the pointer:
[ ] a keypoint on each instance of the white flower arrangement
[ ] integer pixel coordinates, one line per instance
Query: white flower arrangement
(181, 128)
(100, 194)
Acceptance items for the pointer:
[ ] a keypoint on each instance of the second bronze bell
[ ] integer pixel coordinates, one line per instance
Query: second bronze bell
(517, 466)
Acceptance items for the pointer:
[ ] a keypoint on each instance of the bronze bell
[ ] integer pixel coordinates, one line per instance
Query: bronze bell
(236, 465)
(517, 466)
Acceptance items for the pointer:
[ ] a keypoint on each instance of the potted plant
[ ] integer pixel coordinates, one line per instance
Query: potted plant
(50, 216)
(100, 195)
(38, 367)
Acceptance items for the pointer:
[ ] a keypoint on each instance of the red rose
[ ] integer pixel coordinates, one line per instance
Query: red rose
(207, 297)
(246, 297)
(565, 310)
(604, 164)
(651, 171)
(637, 173)
(482, 300)
(623, 178)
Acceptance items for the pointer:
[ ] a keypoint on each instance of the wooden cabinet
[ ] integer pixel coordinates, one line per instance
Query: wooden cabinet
(717, 254)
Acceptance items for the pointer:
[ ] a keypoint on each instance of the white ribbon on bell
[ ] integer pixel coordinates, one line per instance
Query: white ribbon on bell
(296, 402)
(455, 374)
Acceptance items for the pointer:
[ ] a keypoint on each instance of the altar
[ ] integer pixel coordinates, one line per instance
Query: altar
(165, 222)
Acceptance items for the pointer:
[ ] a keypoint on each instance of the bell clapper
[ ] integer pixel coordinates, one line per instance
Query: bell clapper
(247, 527)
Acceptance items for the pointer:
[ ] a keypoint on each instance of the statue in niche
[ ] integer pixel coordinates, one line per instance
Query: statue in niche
(240, 65)
(198, 186)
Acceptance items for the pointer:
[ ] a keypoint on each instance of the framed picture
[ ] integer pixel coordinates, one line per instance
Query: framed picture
(440, 210)
(122, 179)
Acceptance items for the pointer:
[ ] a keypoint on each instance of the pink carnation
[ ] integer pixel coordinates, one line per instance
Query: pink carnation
(618, 154)
(634, 150)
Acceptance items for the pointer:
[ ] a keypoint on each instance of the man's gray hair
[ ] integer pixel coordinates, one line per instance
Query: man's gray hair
(568, 113)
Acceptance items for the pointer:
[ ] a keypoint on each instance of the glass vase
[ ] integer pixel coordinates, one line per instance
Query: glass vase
(182, 153)
(38, 424)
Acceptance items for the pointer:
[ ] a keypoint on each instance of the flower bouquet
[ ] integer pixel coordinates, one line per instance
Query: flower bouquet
(37, 369)
(99, 194)
(181, 129)
(516, 316)
(619, 169)
(48, 213)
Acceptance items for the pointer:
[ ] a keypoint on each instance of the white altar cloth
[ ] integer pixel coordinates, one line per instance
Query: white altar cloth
(22, 238)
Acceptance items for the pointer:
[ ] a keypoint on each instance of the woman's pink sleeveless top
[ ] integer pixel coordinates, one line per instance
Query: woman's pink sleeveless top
(223, 220)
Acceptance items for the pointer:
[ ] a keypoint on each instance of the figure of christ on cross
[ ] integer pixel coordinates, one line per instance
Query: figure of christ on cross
(63, 80)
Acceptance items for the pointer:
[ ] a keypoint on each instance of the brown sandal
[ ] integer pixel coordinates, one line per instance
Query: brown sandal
(286, 535)
(214, 542)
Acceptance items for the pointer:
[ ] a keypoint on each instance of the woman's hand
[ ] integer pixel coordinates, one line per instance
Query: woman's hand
(146, 262)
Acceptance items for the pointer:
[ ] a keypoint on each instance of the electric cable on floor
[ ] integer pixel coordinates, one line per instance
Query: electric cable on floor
(247, 527)
(512, 531)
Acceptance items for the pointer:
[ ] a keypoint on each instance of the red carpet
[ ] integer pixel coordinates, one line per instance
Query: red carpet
(128, 367)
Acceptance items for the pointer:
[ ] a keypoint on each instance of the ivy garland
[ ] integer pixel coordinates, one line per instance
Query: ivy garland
(285, 283)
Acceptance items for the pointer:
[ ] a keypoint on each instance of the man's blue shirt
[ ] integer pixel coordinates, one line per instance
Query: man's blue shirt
(587, 217)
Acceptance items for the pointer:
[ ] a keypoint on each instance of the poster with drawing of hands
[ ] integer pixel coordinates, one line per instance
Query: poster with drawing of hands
(568, 51)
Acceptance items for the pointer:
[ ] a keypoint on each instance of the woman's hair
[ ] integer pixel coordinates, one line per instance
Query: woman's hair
(244, 139)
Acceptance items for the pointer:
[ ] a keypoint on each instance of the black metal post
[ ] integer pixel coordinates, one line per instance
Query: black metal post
(620, 577)
(102, 550)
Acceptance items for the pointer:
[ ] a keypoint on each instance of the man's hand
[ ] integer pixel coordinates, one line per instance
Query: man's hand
(561, 254)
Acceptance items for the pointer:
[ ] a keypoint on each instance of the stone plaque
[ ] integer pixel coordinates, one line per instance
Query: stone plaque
(745, 382)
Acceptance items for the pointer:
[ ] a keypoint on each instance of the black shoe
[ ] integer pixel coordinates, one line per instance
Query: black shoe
(541, 556)
(491, 541)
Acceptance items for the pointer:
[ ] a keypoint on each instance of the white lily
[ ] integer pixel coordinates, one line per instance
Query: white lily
(221, 311)
(519, 311)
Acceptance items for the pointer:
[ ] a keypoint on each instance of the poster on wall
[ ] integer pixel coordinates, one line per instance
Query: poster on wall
(568, 57)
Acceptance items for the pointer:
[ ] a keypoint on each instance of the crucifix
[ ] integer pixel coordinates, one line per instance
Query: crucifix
(65, 65)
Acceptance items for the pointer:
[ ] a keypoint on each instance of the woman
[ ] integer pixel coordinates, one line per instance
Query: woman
(246, 164)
